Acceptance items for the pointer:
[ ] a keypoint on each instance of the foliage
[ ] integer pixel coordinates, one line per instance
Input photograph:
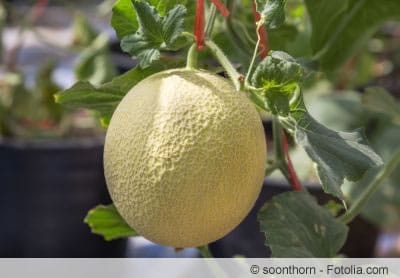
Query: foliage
(146, 28)
(105, 98)
(31, 112)
(384, 207)
(321, 36)
(313, 232)
(272, 12)
(94, 61)
(155, 32)
(106, 221)
(338, 155)
(340, 28)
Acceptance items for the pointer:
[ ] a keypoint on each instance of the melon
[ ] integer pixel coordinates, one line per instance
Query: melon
(184, 157)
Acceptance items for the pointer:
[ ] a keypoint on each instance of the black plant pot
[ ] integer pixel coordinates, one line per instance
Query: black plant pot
(47, 187)
(248, 241)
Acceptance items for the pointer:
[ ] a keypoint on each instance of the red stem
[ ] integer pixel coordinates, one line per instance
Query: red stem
(294, 179)
(262, 32)
(221, 8)
(199, 20)
(199, 25)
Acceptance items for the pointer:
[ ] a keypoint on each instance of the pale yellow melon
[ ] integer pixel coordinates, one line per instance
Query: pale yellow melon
(184, 157)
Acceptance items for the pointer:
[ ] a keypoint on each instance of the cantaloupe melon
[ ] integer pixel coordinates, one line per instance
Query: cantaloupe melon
(184, 157)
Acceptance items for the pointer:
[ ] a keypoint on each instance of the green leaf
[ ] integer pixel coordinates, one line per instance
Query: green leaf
(278, 75)
(272, 12)
(155, 32)
(106, 221)
(85, 95)
(172, 24)
(340, 28)
(338, 155)
(94, 63)
(105, 98)
(163, 6)
(295, 226)
(123, 18)
(383, 209)
(283, 37)
(278, 70)
(378, 100)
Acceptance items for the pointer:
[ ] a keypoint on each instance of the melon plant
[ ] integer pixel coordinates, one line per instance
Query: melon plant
(185, 152)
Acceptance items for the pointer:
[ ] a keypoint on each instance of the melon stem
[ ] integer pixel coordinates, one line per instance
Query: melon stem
(233, 74)
(192, 57)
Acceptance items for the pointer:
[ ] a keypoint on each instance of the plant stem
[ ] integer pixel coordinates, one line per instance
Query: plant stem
(272, 166)
(277, 140)
(200, 34)
(279, 157)
(188, 35)
(226, 64)
(280, 140)
(205, 251)
(282, 158)
(261, 31)
(374, 185)
(257, 100)
(294, 179)
(210, 21)
(253, 59)
(221, 7)
(199, 24)
(192, 57)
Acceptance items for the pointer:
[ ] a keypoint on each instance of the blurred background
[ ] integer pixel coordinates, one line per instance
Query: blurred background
(51, 169)
(51, 157)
